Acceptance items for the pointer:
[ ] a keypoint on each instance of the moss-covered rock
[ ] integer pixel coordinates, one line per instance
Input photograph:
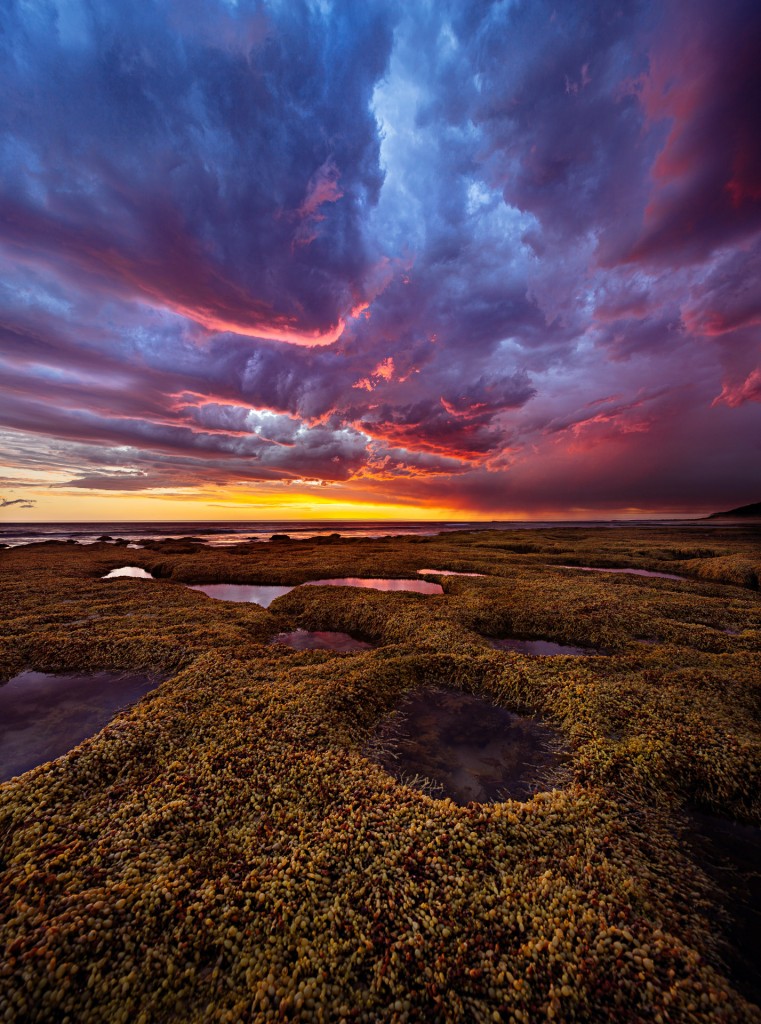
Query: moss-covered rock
(225, 851)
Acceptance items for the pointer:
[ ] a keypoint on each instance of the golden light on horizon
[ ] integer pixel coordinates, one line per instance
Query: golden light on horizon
(284, 503)
(276, 503)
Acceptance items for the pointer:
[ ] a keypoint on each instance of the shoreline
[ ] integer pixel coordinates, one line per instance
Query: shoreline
(225, 850)
(220, 532)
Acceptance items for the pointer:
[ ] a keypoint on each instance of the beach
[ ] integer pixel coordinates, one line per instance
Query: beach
(245, 841)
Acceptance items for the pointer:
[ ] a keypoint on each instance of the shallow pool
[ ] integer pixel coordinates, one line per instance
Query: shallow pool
(628, 572)
(418, 586)
(467, 748)
(730, 853)
(308, 640)
(253, 593)
(541, 648)
(128, 570)
(264, 595)
(43, 716)
(449, 572)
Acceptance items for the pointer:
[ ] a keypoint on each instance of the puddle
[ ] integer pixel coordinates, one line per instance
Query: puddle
(467, 748)
(306, 640)
(128, 570)
(43, 716)
(541, 648)
(730, 854)
(627, 572)
(253, 593)
(449, 572)
(418, 586)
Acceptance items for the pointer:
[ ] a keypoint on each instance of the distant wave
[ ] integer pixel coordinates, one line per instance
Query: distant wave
(217, 534)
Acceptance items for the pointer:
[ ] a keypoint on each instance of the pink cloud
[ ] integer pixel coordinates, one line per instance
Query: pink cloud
(736, 394)
(322, 188)
(383, 371)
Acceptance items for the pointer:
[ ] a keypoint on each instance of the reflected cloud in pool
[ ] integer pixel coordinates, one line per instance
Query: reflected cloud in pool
(449, 572)
(265, 594)
(309, 640)
(252, 593)
(467, 748)
(128, 570)
(627, 572)
(43, 716)
(540, 648)
(418, 586)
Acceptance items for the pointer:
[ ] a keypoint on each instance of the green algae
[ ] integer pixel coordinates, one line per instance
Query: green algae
(225, 851)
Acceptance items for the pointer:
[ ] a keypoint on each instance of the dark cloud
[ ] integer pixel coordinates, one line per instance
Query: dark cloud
(705, 85)
(114, 482)
(561, 121)
(217, 164)
(728, 298)
(517, 247)
(20, 502)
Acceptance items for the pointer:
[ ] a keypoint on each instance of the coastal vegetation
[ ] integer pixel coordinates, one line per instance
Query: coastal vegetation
(229, 849)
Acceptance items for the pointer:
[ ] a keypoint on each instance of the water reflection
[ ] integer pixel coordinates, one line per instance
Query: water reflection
(628, 572)
(128, 570)
(540, 648)
(252, 593)
(418, 586)
(449, 572)
(43, 716)
(730, 852)
(307, 640)
(468, 748)
(264, 595)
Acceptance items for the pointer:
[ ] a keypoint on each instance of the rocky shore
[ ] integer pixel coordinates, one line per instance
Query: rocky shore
(228, 849)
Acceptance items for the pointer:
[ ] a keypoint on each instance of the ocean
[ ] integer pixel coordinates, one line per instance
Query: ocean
(217, 533)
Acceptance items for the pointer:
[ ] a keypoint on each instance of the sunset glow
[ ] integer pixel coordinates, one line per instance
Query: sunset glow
(379, 261)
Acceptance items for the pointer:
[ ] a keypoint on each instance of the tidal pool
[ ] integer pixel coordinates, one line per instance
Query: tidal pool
(253, 593)
(541, 648)
(308, 640)
(730, 854)
(448, 572)
(628, 572)
(43, 716)
(256, 593)
(418, 586)
(128, 570)
(466, 748)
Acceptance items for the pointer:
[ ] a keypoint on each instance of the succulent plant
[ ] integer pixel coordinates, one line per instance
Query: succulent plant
(226, 851)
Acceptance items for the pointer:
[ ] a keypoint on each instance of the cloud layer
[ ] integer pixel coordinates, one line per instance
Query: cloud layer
(494, 257)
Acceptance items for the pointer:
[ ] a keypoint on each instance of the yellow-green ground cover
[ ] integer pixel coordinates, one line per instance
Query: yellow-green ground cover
(226, 850)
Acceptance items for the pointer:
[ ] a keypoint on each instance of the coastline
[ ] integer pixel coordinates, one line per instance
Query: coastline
(219, 532)
(230, 833)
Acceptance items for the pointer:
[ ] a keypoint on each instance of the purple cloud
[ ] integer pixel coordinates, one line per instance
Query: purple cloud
(460, 255)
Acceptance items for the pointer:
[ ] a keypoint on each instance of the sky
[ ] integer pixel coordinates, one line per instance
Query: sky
(396, 258)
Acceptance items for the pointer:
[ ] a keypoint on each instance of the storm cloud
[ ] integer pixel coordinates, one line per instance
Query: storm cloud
(483, 256)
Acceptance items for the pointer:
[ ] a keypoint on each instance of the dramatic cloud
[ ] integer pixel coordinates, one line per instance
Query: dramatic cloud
(19, 502)
(487, 256)
(212, 162)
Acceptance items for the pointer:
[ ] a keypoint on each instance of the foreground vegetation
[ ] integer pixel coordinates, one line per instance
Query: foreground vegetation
(227, 850)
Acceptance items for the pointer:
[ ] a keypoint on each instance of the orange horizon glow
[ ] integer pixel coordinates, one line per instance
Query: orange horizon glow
(299, 507)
